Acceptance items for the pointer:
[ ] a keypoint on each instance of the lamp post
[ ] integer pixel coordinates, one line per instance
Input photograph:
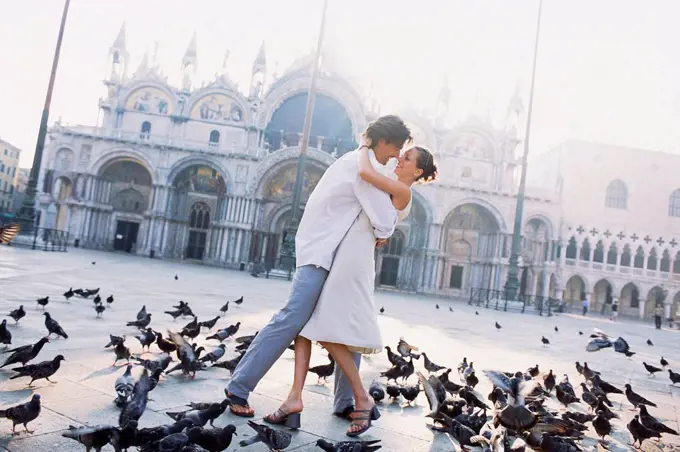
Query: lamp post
(512, 283)
(27, 212)
(288, 244)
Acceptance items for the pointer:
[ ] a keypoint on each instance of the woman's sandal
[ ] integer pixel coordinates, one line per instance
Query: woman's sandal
(280, 417)
(240, 403)
(363, 415)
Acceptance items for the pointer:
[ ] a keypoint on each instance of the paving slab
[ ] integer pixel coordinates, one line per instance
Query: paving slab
(84, 392)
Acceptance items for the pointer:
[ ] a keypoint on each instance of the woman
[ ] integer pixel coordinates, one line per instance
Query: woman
(345, 320)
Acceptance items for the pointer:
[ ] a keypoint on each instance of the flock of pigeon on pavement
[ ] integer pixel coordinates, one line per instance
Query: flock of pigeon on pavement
(513, 416)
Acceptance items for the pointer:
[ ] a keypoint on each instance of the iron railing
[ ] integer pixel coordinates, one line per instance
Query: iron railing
(497, 299)
(45, 239)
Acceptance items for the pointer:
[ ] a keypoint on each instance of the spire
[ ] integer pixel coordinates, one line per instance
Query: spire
(190, 54)
(143, 68)
(224, 61)
(119, 43)
(261, 61)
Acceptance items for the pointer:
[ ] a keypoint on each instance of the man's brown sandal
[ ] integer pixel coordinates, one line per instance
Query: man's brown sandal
(241, 405)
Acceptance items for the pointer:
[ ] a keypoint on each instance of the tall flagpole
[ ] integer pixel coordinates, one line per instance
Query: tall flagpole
(512, 283)
(27, 212)
(288, 245)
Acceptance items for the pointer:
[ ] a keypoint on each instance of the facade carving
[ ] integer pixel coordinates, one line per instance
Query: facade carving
(206, 174)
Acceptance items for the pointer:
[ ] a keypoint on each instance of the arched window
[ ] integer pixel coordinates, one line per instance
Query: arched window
(665, 262)
(651, 260)
(395, 244)
(612, 254)
(585, 251)
(617, 195)
(200, 216)
(626, 256)
(598, 254)
(571, 248)
(639, 260)
(674, 204)
(145, 131)
(214, 138)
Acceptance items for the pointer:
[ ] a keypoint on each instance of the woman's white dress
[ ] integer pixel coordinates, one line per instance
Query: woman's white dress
(345, 312)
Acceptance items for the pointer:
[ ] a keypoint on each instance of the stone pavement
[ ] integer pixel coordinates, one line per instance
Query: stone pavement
(84, 392)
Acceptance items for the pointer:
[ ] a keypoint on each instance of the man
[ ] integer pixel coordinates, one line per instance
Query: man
(336, 202)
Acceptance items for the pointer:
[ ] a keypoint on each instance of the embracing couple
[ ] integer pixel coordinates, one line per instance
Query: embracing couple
(353, 209)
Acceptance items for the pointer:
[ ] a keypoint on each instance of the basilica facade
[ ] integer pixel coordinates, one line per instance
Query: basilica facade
(206, 173)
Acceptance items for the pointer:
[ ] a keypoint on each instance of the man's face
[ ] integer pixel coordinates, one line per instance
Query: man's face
(385, 151)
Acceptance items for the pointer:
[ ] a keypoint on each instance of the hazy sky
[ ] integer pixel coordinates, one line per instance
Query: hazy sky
(608, 70)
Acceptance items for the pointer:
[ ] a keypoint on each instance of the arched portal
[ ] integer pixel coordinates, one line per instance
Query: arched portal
(475, 226)
(391, 254)
(602, 295)
(575, 289)
(63, 190)
(126, 185)
(535, 242)
(630, 299)
(331, 125)
(199, 227)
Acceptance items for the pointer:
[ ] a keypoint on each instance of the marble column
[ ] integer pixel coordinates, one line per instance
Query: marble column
(641, 308)
(667, 310)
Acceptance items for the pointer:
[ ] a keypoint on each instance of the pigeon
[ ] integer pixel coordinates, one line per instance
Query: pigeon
(394, 359)
(663, 362)
(22, 414)
(382, 309)
(462, 366)
(588, 397)
(174, 314)
(214, 355)
(640, 432)
(606, 387)
(410, 393)
(18, 314)
(476, 313)
(92, 291)
(176, 277)
(155, 378)
(324, 371)
(231, 364)
(649, 342)
(92, 437)
(99, 309)
(376, 391)
(225, 333)
(97, 299)
(114, 340)
(515, 415)
(53, 326)
(430, 366)
(172, 443)
(143, 323)
(147, 338)
(165, 345)
(162, 362)
(406, 350)
(124, 385)
(25, 353)
(43, 301)
(109, 300)
(557, 330)
(142, 313)
(545, 341)
(437, 305)
(564, 397)
(203, 416)
(126, 437)
(636, 399)
(651, 369)
(349, 446)
(498, 326)
(224, 308)
(580, 333)
(5, 335)
(239, 301)
(147, 436)
(134, 409)
(189, 364)
(39, 371)
(273, 439)
(68, 294)
(192, 329)
(209, 324)
(549, 381)
(212, 440)
(652, 423)
(674, 377)
(122, 352)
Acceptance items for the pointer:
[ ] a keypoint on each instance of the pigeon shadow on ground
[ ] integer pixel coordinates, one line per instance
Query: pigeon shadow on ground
(102, 372)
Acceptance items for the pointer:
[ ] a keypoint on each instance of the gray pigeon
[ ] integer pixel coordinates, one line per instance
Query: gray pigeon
(25, 353)
(53, 326)
(349, 446)
(124, 386)
(95, 437)
(39, 371)
(172, 443)
(273, 439)
(214, 355)
(134, 409)
(5, 335)
(23, 414)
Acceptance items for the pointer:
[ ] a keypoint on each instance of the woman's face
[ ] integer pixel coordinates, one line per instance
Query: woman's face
(407, 166)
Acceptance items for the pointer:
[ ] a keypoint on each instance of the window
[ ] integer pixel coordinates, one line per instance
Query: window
(571, 248)
(598, 254)
(617, 195)
(200, 216)
(14, 171)
(625, 256)
(2, 167)
(456, 281)
(635, 298)
(11, 189)
(146, 130)
(5, 187)
(639, 260)
(214, 138)
(674, 204)
(611, 254)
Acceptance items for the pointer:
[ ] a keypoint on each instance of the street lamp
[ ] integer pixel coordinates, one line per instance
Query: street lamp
(512, 283)
(27, 213)
(288, 244)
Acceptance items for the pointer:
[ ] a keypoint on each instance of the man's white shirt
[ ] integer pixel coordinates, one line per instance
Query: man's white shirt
(333, 206)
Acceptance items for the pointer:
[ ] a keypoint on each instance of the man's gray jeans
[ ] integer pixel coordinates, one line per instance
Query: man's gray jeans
(278, 334)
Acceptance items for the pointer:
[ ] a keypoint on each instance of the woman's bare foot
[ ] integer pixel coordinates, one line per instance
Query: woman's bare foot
(288, 407)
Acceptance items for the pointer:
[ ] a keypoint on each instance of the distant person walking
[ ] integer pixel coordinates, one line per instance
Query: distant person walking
(658, 313)
(586, 305)
(615, 311)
